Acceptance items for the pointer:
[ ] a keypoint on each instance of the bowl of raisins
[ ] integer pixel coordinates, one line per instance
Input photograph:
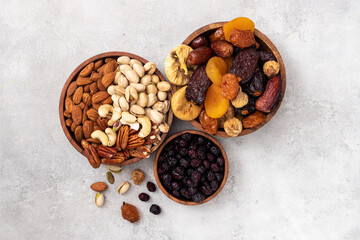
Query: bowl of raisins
(191, 167)
(239, 80)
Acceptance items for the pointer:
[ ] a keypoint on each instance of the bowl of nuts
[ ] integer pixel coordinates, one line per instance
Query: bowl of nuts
(115, 108)
(229, 78)
(191, 167)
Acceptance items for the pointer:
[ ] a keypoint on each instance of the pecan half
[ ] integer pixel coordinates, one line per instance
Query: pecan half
(117, 159)
(126, 153)
(140, 152)
(102, 122)
(151, 138)
(106, 152)
(135, 141)
(92, 156)
(123, 137)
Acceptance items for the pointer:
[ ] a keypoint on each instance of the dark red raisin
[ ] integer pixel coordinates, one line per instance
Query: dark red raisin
(198, 197)
(206, 189)
(144, 197)
(256, 85)
(151, 187)
(198, 86)
(155, 209)
(265, 56)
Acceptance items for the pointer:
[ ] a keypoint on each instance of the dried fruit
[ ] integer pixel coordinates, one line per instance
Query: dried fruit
(199, 42)
(229, 114)
(242, 38)
(270, 95)
(99, 199)
(215, 104)
(228, 61)
(266, 56)
(198, 86)
(110, 177)
(256, 85)
(151, 187)
(248, 108)
(144, 197)
(240, 23)
(137, 176)
(222, 48)
(215, 69)
(129, 212)
(244, 64)
(240, 100)
(209, 125)
(229, 86)
(253, 119)
(176, 68)
(232, 127)
(271, 68)
(218, 35)
(199, 56)
(123, 188)
(98, 186)
(182, 108)
(155, 209)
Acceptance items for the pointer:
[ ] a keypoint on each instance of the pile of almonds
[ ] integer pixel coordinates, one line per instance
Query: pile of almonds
(117, 110)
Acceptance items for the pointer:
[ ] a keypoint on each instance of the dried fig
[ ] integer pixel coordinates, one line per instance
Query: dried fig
(182, 108)
(233, 127)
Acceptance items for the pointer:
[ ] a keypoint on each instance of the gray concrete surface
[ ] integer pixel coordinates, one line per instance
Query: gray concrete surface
(296, 178)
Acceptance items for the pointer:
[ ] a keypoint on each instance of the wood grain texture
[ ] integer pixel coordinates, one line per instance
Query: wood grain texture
(70, 136)
(207, 136)
(266, 45)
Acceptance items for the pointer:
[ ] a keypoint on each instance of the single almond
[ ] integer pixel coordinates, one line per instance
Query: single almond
(95, 76)
(107, 100)
(92, 114)
(78, 95)
(73, 126)
(68, 105)
(93, 88)
(100, 86)
(98, 64)
(110, 67)
(88, 128)
(86, 98)
(87, 88)
(84, 115)
(99, 186)
(81, 105)
(71, 89)
(107, 79)
(78, 133)
(68, 122)
(87, 70)
(83, 81)
(109, 60)
(99, 96)
(76, 114)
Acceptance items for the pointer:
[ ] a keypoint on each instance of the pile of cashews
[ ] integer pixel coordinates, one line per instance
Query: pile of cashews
(139, 100)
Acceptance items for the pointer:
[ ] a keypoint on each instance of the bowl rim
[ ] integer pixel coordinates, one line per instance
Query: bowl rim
(264, 42)
(72, 77)
(207, 136)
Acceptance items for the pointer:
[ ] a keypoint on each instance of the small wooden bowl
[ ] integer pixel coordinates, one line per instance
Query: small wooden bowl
(70, 135)
(266, 45)
(207, 136)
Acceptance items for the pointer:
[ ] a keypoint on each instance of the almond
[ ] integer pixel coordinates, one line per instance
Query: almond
(86, 99)
(88, 128)
(68, 122)
(92, 114)
(83, 81)
(98, 64)
(109, 60)
(87, 88)
(78, 133)
(100, 86)
(107, 100)
(99, 96)
(78, 95)
(110, 67)
(101, 69)
(82, 105)
(93, 88)
(95, 76)
(98, 186)
(71, 89)
(73, 127)
(68, 105)
(76, 114)
(87, 70)
(67, 114)
(107, 79)
(96, 105)
(84, 115)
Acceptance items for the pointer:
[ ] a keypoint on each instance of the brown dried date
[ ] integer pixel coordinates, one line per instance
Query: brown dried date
(198, 86)
(256, 85)
(199, 56)
(248, 108)
(253, 119)
(265, 56)
(218, 35)
(244, 64)
(242, 39)
(271, 94)
(222, 48)
(199, 42)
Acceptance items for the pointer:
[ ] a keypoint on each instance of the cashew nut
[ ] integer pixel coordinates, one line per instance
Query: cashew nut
(150, 67)
(145, 80)
(164, 127)
(134, 125)
(139, 69)
(112, 137)
(145, 126)
(100, 135)
(123, 60)
(161, 95)
(115, 116)
(105, 109)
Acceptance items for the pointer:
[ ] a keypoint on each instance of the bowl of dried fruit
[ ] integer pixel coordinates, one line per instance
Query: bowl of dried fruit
(191, 167)
(229, 78)
(115, 108)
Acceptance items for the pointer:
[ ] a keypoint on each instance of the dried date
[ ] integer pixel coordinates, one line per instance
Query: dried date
(218, 35)
(256, 85)
(222, 48)
(199, 42)
(253, 119)
(265, 56)
(198, 86)
(199, 56)
(270, 96)
(244, 64)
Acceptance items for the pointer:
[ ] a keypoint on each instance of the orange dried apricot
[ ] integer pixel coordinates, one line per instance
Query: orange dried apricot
(216, 104)
(209, 124)
(241, 23)
(215, 69)
(229, 86)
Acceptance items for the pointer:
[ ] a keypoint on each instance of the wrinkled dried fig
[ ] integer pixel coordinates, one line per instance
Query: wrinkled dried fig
(233, 127)
(182, 108)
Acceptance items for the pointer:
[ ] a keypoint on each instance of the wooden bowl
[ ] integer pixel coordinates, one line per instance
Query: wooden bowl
(70, 135)
(207, 136)
(266, 45)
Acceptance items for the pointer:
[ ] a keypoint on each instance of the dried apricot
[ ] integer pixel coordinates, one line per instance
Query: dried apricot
(209, 124)
(216, 104)
(241, 23)
(253, 119)
(215, 69)
(229, 86)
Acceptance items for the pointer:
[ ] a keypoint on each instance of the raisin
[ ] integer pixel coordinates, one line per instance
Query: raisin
(216, 104)
(218, 35)
(209, 125)
(256, 85)
(151, 186)
(242, 39)
(241, 23)
(144, 197)
(265, 56)
(199, 42)
(270, 96)
(215, 69)
(155, 209)
(229, 86)
(198, 86)
(222, 48)
(248, 108)
(129, 212)
(244, 64)
(253, 119)
(199, 56)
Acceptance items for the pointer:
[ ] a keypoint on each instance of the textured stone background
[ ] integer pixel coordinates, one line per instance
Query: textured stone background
(296, 178)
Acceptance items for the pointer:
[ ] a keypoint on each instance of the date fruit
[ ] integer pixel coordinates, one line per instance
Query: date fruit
(199, 56)
(271, 94)
(241, 23)
(222, 48)
(198, 86)
(253, 119)
(229, 86)
(256, 85)
(244, 64)
(209, 125)
(265, 56)
(218, 35)
(242, 39)
(199, 42)
(215, 69)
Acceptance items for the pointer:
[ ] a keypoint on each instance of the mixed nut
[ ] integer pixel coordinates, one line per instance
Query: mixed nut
(117, 110)
(225, 80)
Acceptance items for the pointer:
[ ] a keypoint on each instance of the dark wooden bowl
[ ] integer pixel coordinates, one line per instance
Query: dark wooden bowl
(70, 135)
(226, 170)
(266, 45)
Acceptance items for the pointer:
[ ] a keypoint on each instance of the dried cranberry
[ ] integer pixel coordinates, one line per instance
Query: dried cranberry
(219, 177)
(210, 176)
(184, 163)
(214, 185)
(178, 156)
(172, 161)
(201, 169)
(192, 153)
(171, 153)
(165, 166)
(166, 178)
(220, 161)
(151, 186)
(175, 186)
(200, 141)
(206, 189)
(192, 190)
(155, 209)
(195, 176)
(198, 197)
(215, 167)
(189, 171)
(215, 150)
(187, 137)
(195, 162)
(161, 171)
(178, 173)
(182, 143)
(210, 157)
(190, 183)
(200, 152)
(206, 164)
(208, 144)
(183, 152)
(175, 193)
(144, 197)
(185, 193)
